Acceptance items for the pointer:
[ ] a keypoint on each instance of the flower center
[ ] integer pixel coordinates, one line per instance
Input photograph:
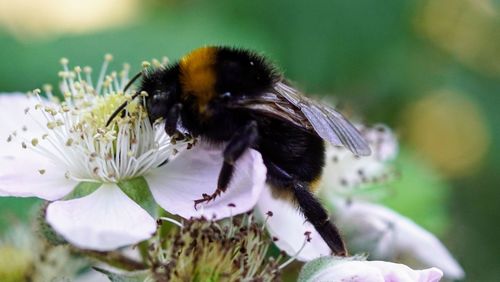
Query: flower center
(104, 106)
(75, 135)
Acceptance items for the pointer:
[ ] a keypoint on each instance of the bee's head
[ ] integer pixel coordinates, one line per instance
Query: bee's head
(162, 89)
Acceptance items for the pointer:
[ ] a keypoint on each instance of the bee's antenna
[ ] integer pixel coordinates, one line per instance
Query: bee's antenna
(139, 74)
(122, 106)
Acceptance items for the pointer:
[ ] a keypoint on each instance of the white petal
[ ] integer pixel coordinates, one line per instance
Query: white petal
(344, 171)
(288, 225)
(13, 115)
(13, 118)
(382, 141)
(33, 176)
(20, 168)
(193, 172)
(375, 271)
(400, 272)
(389, 235)
(104, 220)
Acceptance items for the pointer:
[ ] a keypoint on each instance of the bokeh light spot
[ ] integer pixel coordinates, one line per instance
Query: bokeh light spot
(449, 130)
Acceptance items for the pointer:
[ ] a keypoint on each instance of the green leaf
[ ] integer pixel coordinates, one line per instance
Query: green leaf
(83, 189)
(132, 277)
(311, 268)
(421, 193)
(138, 190)
(19, 209)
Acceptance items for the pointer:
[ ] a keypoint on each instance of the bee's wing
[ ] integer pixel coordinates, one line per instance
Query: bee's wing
(274, 105)
(286, 103)
(327, 122)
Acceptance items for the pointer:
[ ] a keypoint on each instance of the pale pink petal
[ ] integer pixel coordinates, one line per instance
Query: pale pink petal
(400, 272)
(193, 172)
(374, 271)
(33, 176)
(354, 271)
(388, 235)
(104, 220)
(288, 226)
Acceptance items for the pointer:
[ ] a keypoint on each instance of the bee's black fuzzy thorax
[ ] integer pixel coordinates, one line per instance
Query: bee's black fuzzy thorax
(241, 72)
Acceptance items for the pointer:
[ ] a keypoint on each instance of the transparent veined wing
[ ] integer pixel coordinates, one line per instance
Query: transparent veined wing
(328, 123)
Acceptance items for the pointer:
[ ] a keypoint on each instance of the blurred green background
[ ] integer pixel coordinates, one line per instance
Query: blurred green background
(430, 69)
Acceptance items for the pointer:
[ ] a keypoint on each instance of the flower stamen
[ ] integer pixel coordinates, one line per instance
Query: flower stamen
(307, 239)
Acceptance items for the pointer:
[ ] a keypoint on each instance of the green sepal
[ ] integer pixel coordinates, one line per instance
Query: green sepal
(44, 229)
(83, 189)
(138, 276)
(311, 268)
(137, 189)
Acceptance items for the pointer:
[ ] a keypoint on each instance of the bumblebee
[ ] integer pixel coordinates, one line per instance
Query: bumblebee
(237, 98)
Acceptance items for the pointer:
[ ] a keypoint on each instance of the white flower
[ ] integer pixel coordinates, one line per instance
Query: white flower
(338, 270)
(387, 235)
(372, 228)
(49, 148)
(344, 172)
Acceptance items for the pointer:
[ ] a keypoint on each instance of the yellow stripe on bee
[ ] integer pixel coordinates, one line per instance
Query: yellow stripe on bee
(315, 184)
(197, 75)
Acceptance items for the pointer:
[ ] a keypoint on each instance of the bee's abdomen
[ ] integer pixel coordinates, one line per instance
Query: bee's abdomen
(290, 153)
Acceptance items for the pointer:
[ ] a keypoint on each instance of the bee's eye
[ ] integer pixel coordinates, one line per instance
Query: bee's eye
(226, 95)
(160, 95)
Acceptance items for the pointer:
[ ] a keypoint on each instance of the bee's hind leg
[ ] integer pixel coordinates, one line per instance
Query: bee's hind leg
(237, 145)
(316, 214)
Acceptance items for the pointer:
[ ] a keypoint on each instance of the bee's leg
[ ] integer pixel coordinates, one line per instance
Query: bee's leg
(318, 217)
(171, 122)
(240, 141)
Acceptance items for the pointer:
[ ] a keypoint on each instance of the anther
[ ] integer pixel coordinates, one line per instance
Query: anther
(156, 63)
(165, 60)
(64, 61)
(108, 57)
